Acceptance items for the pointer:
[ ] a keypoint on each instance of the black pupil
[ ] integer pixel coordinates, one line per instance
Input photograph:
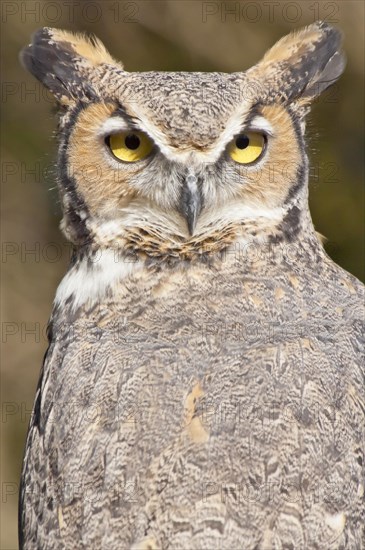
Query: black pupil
(242, 142)
(132, 142)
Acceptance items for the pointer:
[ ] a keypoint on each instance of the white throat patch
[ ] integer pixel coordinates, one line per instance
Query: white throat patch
(89, 280)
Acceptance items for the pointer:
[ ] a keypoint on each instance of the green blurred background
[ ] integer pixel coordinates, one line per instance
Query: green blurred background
(147, 35)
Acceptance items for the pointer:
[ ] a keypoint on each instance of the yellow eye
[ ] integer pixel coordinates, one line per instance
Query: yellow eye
(130, 146)
(246, 148)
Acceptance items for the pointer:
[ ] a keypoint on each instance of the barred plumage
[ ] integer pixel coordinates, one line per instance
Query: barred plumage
(203, 386)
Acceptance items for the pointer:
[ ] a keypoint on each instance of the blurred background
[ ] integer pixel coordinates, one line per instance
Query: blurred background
(147, 35)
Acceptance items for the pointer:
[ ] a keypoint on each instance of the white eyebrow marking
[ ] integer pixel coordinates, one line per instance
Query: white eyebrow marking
(261, 123)
(113, 124)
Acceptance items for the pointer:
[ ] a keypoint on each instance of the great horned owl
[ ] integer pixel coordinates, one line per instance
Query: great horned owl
(203, 386)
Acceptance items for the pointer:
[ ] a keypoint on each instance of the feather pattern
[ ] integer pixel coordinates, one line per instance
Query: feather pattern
(203, 386)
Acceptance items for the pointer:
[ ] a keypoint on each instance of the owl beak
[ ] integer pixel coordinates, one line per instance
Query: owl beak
(191, 201)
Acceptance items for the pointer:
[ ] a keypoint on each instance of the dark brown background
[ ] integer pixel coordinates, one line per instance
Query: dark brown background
(147, 35)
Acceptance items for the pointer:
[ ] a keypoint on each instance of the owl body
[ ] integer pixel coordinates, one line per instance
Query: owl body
(167, 423)
(203, 385)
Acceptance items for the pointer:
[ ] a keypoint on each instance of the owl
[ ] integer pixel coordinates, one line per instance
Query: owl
(203, 384)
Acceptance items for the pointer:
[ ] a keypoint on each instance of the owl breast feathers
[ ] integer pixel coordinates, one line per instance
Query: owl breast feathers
(203, 385)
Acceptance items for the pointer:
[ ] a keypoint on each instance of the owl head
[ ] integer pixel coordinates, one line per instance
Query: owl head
(175, 163)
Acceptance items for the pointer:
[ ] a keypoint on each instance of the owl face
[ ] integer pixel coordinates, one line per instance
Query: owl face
(171, 163)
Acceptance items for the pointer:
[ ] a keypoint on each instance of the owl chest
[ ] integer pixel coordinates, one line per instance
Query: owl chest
(160, 378)
(179, 330)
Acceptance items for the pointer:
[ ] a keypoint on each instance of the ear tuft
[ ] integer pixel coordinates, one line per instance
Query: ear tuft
(86, 46)
(65, 62)
(303, 42)
(305, 63)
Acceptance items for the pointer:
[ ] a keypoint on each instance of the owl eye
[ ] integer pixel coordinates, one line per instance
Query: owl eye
(129, 146)
(247, 148)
